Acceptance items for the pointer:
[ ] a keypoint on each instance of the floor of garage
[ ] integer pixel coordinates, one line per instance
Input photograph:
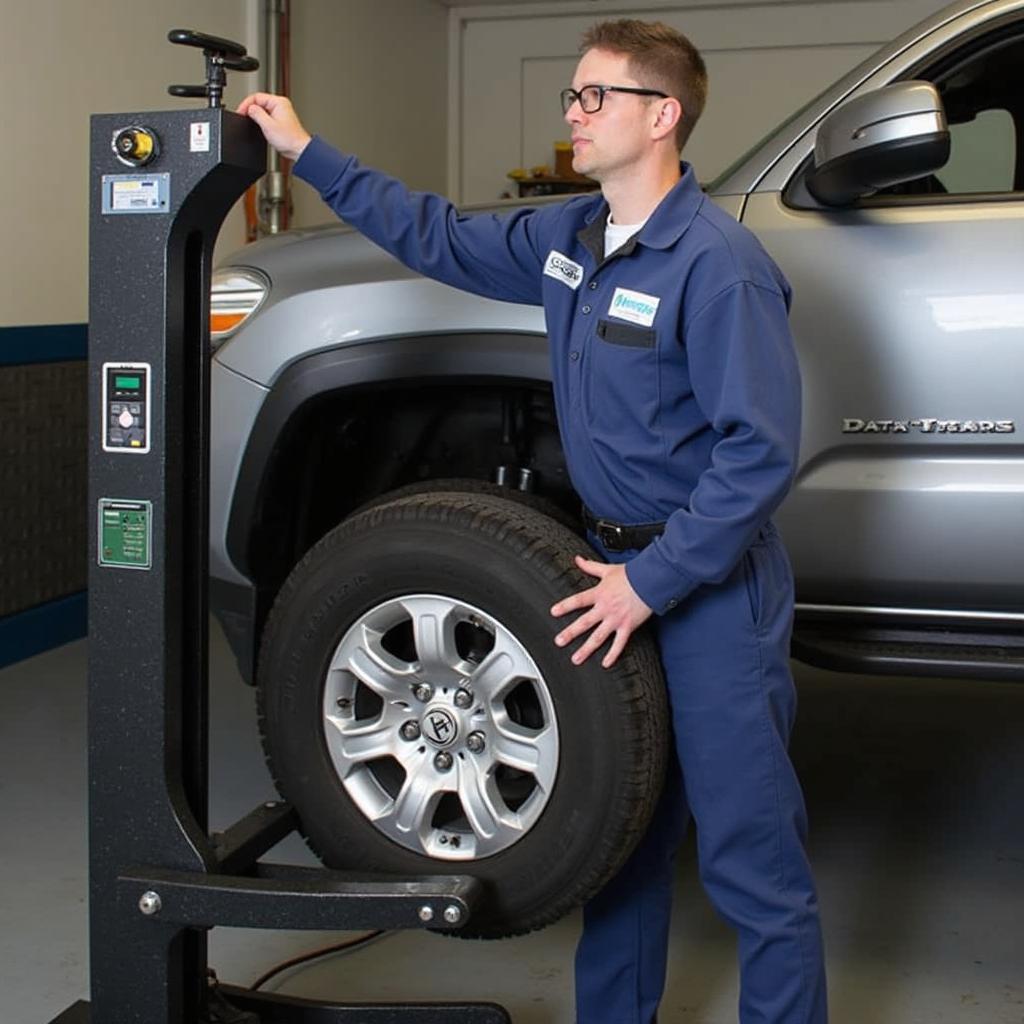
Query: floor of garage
(914, 787)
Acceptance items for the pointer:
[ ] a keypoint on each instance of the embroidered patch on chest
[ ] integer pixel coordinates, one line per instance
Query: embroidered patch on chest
(561, 268)
(635, 307)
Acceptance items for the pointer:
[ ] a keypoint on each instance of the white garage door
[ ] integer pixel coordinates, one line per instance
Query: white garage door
(764, 60)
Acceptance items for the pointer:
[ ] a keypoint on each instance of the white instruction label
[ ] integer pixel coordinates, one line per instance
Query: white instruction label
(199, 137)
(135, 194)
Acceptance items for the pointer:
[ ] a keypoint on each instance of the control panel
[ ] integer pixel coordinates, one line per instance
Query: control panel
(126, 407)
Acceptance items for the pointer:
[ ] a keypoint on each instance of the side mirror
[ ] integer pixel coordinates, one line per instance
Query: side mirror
(885, 137)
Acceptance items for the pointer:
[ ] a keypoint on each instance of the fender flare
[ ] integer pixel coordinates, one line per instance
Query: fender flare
(511, 357)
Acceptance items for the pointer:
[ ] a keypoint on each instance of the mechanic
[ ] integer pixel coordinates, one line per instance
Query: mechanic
(678, 399)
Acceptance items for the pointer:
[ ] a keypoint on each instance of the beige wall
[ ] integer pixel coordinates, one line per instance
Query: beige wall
(60, 61)
(368, 74)
(373, 80)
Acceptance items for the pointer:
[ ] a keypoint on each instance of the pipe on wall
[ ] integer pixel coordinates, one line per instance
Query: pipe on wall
(268, 203)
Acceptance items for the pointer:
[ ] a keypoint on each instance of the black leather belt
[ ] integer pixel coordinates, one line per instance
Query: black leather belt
(618, 537)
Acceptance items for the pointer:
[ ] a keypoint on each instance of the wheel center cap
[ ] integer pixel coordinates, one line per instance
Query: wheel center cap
(440, 726)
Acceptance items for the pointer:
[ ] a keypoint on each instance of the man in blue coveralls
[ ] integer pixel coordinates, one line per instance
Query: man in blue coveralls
(678, 399)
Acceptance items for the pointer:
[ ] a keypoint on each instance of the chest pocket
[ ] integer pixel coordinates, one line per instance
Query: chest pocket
(629, 335)
(621, 387)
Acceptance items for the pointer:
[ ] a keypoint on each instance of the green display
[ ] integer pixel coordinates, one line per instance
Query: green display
(127, 382)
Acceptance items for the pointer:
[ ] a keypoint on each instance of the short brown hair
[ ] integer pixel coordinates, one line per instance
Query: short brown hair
(659, 58)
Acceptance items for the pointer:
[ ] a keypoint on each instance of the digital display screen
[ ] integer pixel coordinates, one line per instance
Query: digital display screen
(127, 382)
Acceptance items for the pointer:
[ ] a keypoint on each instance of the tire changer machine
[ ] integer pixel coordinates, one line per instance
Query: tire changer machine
(161, 185)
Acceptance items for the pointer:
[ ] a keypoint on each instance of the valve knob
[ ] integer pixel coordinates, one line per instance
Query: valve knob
(135, 145)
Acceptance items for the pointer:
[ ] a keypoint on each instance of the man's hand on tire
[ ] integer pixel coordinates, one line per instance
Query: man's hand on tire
(613, 608)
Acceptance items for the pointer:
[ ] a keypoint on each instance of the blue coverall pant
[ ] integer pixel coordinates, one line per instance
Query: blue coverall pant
(725, 652)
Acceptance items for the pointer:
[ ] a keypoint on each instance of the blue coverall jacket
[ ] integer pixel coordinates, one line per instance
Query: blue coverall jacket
(676, 381)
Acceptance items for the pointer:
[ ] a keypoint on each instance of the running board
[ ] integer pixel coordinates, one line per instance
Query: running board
(881, 649)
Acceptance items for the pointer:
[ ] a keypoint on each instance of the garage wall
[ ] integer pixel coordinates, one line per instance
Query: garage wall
(61, 61)
(372, 79)
(371, 75)
(765, 60)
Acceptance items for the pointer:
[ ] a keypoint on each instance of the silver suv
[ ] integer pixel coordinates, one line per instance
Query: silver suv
(348, 390)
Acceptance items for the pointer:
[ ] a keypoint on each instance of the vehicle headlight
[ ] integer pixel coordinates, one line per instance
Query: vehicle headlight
(236, 293)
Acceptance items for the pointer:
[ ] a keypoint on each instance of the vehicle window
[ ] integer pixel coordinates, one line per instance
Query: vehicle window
(984, 103)
(982, 154)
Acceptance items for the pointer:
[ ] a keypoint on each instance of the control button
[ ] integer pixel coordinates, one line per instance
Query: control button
(135, 409)
(115, 408)
(135, 438)
(574, 356)
(126, 419)
(586, 309)
(116, 437)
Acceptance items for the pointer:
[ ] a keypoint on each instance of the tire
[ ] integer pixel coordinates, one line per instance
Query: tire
(454, 591)
(471, 485)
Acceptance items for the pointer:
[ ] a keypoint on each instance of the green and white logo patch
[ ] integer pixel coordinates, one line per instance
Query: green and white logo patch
(636, 307)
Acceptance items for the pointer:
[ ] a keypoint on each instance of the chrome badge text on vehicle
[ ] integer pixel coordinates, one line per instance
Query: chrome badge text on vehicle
(928, 426)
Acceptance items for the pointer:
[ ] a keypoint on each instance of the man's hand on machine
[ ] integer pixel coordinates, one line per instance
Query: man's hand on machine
(277, 120)
(614, 608)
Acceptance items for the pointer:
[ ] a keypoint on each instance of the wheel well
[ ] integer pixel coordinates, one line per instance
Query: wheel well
(342, 449)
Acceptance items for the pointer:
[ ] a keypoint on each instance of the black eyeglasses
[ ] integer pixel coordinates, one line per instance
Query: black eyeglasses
(591, 97)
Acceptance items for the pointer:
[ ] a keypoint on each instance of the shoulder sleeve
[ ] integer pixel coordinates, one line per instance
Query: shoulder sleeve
(746, 380)
(495, 256)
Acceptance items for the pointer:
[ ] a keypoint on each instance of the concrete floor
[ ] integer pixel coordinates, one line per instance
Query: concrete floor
(915, 790)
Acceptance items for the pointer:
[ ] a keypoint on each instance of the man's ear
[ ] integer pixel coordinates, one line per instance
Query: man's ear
(670, 113)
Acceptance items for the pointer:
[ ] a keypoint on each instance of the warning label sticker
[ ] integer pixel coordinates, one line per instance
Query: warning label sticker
(199, 137)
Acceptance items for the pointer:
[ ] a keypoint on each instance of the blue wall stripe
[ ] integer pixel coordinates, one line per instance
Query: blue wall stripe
(47, 625)
(47, 343)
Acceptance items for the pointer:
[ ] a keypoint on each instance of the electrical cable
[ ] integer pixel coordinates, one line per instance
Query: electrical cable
(339, 947)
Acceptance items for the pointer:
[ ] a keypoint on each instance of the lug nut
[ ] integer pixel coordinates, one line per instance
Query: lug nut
(463, 699)
(410, 730)
(452, 914)
(423, 692)
(476, 741)
(443, 761)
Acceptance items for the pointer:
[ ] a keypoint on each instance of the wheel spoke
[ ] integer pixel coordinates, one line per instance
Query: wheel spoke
(361, 742)
(433, 624)
(481, 802)
(412, 810)
(362, 655)
(523, 749)
(504, 665)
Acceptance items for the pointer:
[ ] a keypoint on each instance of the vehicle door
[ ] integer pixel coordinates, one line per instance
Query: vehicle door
(909, 319)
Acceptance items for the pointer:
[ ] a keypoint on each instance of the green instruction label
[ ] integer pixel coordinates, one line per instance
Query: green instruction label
(125, 533)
